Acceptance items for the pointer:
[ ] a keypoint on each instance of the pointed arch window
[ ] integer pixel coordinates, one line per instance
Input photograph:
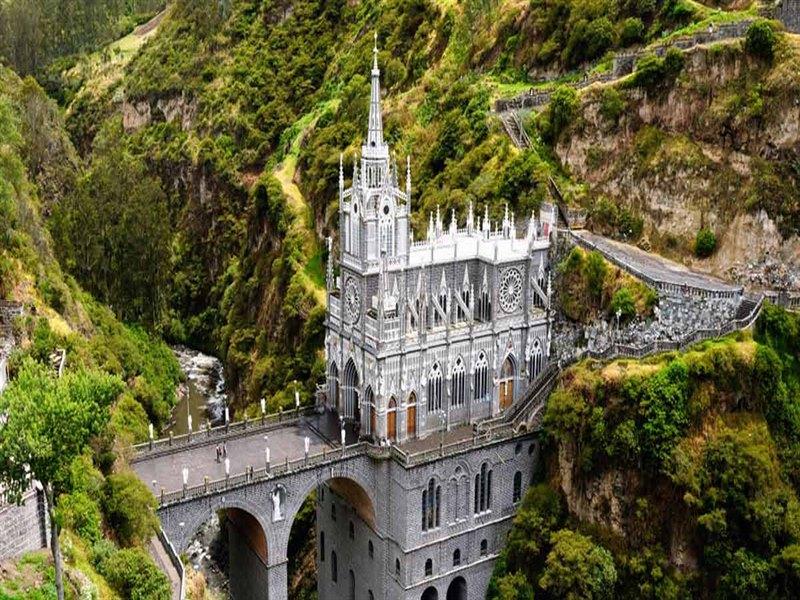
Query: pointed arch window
(481, 377)
(386, 231)
(435, 388)
(431, 505)
(458, 384)
(484, 302)
(536, 361)
(483, 489)
(517, 496)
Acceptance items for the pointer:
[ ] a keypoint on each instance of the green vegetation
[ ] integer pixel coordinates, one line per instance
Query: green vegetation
(703, 448)
(705, 243)
(761, 40)
(131, 573)
(49, 424)
(35, 33)
(654, 72)
(588, 287)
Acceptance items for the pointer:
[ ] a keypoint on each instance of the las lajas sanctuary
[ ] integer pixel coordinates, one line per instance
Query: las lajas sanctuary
(425, 337)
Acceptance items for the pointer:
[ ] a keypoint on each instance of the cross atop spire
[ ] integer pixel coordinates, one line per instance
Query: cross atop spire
(375, 144)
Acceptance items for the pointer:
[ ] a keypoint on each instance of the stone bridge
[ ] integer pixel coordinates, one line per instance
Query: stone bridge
(262, 499)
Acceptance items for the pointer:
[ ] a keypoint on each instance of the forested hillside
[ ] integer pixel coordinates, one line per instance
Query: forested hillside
(117, 379)
(673, 477)
(239, 112)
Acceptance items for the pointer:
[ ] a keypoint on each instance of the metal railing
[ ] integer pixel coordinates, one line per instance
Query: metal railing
(176, 561)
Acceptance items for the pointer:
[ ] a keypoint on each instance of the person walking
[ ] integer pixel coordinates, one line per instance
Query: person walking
(225, 449)
(218, 452)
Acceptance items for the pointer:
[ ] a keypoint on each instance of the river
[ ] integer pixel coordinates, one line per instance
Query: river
(202, 395)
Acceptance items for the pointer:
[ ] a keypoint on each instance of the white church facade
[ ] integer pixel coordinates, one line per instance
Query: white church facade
(426, 335)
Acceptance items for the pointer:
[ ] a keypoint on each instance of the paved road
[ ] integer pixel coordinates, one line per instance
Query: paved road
(657, 267)
(243, 452)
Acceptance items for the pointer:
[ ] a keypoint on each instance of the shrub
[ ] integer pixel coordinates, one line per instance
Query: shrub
(578, 568)
(133, 575)
(623, 303)
(631, 31)
(611, 104)
(78, 512)
(760, 40)
(705, 243)
(129, 508)
(599, 37)
(649, 71)
(673, 62)
(561, 112)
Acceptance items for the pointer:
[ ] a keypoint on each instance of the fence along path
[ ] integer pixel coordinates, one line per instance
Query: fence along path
(623, 64)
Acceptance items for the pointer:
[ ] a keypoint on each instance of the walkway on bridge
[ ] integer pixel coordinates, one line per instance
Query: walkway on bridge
(165, 470)
(651, 267)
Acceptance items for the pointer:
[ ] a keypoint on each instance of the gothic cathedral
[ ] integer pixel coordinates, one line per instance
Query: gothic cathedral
(423, 336)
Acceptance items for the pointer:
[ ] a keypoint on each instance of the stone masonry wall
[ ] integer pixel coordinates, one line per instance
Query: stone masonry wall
(23, 528)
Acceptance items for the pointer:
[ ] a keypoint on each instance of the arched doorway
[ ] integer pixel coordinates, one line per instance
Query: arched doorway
(507, 375)
(430, 594)
(350, 391)
(411, 416)
(457, 589)
(391, 420)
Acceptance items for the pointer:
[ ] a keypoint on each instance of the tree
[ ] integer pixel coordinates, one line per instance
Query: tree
(577, 568)
(596, 270)
(49, 423)
(623, 303)
(631, 31)
(760, 40)
(705, 243)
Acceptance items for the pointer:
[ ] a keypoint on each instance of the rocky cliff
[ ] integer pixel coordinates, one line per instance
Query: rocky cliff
(718, 148)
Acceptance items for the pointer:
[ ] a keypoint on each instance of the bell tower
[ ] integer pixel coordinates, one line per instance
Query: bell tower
(374, 212)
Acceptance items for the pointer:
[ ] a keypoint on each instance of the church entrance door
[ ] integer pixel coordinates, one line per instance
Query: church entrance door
(391, 420)
(411, 416)
(507, 376)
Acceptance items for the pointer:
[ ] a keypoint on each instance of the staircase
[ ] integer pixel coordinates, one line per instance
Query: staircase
(514, 129)
(745, 308)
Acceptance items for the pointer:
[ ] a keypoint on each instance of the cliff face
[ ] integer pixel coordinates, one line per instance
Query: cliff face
(717, 148)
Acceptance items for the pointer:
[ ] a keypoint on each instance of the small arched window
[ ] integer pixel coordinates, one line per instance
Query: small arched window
(322, 546)
(484, 547)
(458, 384)
(481, 377)
(334, 567)
(352, 531)
(397, 567)
(456, 557)
(371, 549)
(435, 388)
(517, 486)
(370, 595)
(352, 585)
(428, 567)
(483, 489)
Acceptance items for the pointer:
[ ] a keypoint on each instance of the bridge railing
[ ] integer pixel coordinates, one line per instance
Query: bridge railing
(206, 435)
(686, 289)
(265, 473)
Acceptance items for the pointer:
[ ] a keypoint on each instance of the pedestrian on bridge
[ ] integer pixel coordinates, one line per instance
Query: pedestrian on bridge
(219, 452)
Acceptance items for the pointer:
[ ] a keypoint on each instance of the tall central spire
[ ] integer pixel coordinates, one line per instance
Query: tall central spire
(375, 133)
